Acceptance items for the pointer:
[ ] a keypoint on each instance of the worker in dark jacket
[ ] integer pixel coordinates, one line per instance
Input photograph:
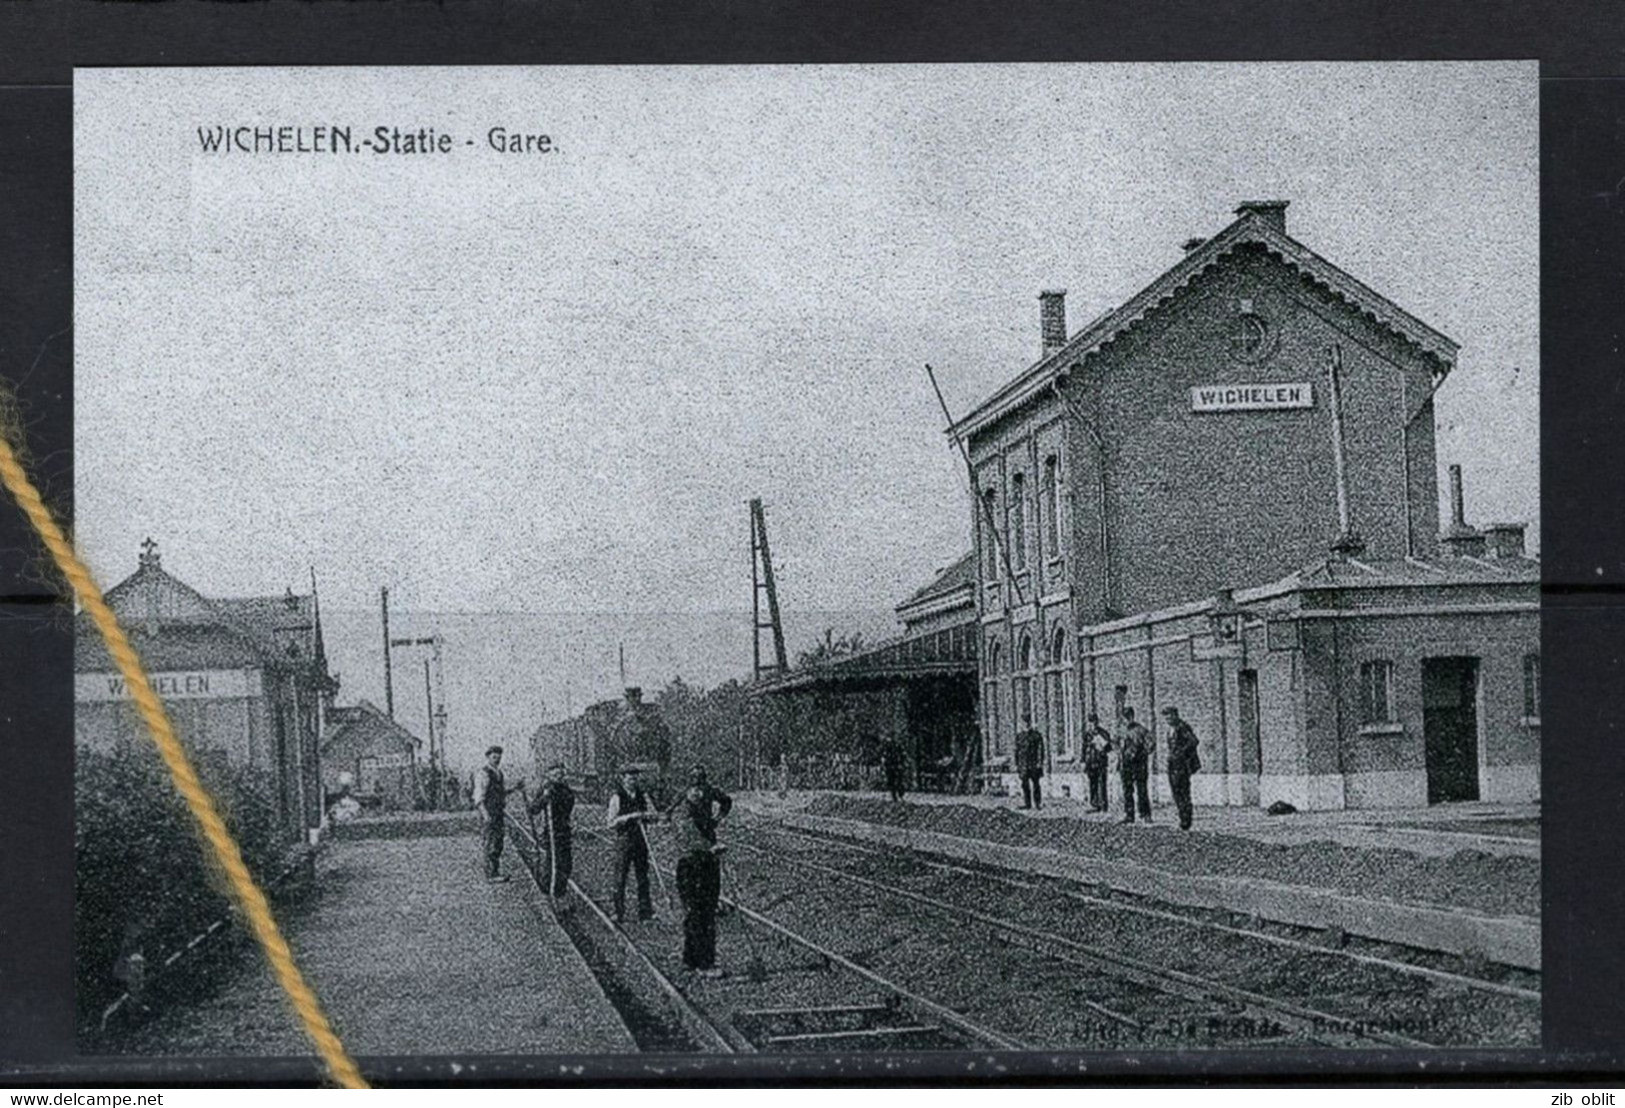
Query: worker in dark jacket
(894, 763)
(629, 811)
(1097, 748)
(555, 803)
(1030, 763)
(1184, 759)
(1134, 767)
(695, 818)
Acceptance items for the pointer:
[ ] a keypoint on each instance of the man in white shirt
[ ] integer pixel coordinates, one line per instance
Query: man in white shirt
(491, 801)
(629, 810)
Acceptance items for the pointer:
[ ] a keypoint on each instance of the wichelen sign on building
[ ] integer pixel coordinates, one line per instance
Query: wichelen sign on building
(1251, 398)
(207, 684)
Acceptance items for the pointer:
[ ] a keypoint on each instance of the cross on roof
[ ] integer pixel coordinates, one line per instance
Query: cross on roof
(149, 553)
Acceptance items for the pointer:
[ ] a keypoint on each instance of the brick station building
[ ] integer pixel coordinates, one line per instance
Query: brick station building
(245, 682)
(1223, 496)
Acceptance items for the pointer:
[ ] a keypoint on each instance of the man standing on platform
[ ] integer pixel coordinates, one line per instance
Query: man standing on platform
(555, 803)
(699, 869)
(629, 810)
(1184, 759)
(1030, 762)
(491, 799)
(1134, 766)
(1097, 748)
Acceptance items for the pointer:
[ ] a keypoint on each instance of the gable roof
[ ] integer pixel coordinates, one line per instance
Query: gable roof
(364, 721)
(194, 629)
(1250, 229)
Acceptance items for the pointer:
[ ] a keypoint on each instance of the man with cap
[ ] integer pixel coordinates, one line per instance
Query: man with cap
(555, 803)
(1097, 746)
(1184, 759)
(1030, 762)
(491, 799)
(696, 814)
(629, 810)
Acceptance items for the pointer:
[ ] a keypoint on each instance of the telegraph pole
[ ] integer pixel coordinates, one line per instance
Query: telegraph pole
(389, 680)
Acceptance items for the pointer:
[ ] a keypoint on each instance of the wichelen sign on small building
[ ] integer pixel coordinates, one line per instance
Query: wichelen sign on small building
(1252, 398)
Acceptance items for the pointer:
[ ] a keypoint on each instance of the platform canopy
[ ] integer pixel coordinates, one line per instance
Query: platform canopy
(948, 653)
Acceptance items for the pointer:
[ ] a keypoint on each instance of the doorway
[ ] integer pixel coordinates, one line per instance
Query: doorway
(1450, 728)
(1251, 740)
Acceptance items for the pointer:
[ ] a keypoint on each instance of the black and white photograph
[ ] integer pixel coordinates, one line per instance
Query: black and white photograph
(793, 560)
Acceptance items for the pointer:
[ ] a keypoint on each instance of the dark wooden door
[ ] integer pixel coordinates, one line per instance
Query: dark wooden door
(1450, 728)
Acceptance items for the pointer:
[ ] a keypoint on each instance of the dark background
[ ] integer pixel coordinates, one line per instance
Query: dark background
(1581, 48)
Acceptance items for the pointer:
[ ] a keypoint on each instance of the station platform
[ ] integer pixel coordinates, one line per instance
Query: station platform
(1425, 878)
(1508, 830)
(410, 951)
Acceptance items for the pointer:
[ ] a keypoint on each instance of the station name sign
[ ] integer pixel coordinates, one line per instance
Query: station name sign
(197, 684)
(386, 761)
(1252, 398)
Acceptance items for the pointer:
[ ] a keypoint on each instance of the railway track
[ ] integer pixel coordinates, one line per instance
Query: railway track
(1193, 918)
(876, 949)
(823, 1001)
(1314, 994)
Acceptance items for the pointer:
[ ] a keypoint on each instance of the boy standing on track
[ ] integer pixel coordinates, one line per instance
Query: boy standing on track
(555, 803)
(699, 869)
(629, 809)
(491, 799)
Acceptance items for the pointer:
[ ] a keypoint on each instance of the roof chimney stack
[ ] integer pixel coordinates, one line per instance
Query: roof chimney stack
(1052, 319)
(1272, 212)
(1191, 244)
(1504, 540)
(1459, 539)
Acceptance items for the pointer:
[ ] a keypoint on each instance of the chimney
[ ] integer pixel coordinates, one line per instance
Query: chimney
(1272, 212)
(1459, 539)
(1504, 540)
(1191, 244)
(1052, 319)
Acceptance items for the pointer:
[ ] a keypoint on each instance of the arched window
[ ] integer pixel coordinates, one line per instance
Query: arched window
(1017, 527)
(1052, 506)
(1022, 683)
(1060, 692)
(991, 712)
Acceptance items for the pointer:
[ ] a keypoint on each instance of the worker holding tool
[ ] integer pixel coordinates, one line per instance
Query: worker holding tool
(695, 817)
(491, 800)
(555, 803)
(629, 810)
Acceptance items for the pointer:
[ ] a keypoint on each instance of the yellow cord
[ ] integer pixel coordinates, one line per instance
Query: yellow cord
(244, 890)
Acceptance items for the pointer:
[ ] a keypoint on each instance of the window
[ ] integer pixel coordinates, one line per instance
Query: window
(1017, 527)
(1059, 691)
(990, 538)
(990, 699)
(1531, 686)
(1376, 692)
(1022, 684)
(1052, 507)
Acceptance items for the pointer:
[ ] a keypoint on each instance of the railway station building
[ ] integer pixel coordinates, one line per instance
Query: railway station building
(245, 682)
(379, 754)
(1223, 496)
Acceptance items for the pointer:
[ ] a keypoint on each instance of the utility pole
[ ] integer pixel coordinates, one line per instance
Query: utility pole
(761, 579)
(389, 680)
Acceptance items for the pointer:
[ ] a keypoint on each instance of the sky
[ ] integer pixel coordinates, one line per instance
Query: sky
(539, 383)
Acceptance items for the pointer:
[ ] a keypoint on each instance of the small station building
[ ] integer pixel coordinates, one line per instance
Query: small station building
(245, 682)
(379, 755)
(1223, 496)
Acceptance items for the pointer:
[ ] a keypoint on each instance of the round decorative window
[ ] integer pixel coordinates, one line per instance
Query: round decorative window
(1251, 338)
